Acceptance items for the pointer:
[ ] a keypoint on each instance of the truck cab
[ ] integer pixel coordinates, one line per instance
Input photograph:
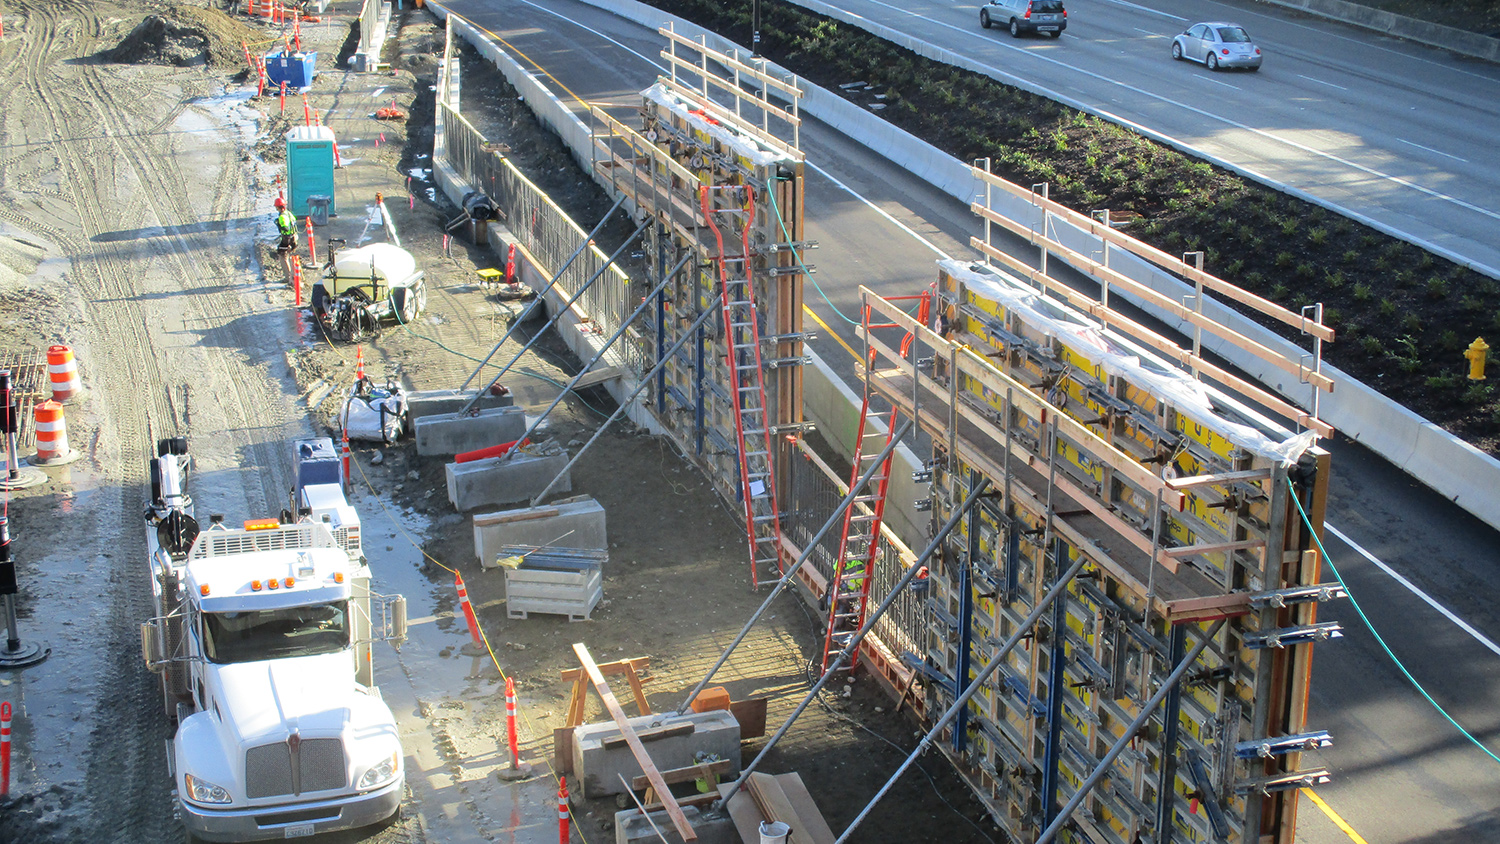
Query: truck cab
(263, 637)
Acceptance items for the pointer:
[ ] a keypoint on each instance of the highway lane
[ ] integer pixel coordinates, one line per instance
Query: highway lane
(1394, 758)
(1400, 133)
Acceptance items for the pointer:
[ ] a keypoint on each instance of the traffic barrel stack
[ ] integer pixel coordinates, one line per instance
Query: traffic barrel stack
(52, 436)
(62, 369)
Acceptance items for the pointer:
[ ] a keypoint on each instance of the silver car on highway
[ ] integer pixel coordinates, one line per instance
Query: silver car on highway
(1217, 45)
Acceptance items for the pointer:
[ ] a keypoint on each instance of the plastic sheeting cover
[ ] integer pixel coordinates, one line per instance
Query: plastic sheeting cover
(1090, 340)
(745, 145)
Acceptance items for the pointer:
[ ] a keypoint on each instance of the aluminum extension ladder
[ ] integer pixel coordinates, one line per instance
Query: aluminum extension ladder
(747, 383)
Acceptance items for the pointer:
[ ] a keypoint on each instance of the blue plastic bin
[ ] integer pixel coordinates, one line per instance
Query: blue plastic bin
(296, 69)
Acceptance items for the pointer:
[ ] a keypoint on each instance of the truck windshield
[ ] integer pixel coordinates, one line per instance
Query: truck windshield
(273, 634)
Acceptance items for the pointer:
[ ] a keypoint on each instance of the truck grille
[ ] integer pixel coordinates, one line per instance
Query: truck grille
(268, 768)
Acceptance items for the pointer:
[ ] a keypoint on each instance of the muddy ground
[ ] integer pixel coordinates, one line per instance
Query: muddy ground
(133, 226)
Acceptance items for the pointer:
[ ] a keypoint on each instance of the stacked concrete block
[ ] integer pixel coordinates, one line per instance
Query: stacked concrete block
(576, 522)
(422, 403)
(505, 480)
(449, 433)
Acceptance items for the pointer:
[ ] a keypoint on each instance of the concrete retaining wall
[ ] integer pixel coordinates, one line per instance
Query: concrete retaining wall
(1434, 35)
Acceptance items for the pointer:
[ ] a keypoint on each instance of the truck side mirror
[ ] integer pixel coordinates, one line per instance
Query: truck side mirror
(398, 620)
(153, 648)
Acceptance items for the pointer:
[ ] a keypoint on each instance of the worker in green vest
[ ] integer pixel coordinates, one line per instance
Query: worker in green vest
(286, 228)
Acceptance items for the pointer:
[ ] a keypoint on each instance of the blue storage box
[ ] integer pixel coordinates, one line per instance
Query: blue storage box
(317, 462)
(296, 69)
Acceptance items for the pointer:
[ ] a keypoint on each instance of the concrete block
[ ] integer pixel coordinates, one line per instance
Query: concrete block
(422, 403)
(449, 433)
(498, 480)
(547, 525)
(600, 767)
(631, 827)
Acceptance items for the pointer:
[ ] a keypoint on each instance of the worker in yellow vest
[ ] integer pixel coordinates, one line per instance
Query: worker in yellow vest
(286, 228)
(853, 581)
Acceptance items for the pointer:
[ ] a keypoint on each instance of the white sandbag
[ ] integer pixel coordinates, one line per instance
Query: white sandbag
(375, 414)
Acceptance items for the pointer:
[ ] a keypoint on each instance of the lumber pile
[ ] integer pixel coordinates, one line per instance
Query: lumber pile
(782, 797)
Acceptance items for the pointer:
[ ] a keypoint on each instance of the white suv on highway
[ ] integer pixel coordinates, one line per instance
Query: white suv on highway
(1046, 16)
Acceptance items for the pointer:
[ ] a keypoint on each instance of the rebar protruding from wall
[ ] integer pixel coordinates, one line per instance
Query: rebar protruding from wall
(541, 295)
(852, 647)
(625, 403)
(1118, 747)
(808, 548)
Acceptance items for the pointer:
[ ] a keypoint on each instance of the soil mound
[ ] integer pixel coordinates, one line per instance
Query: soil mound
(185, 36)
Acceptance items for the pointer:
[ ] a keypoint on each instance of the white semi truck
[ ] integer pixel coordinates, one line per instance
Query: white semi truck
(263, 638)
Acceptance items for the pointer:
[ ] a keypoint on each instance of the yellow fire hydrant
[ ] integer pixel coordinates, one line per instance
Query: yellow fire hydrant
(1476, 353)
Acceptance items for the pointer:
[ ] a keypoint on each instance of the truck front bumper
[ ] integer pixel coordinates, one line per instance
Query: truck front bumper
(293, 820)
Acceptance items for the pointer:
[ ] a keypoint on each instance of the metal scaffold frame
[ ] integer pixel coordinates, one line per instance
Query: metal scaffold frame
(723, 191)
(1142, 562)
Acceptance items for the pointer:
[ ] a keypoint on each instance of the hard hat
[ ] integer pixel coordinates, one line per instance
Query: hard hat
(280, 203)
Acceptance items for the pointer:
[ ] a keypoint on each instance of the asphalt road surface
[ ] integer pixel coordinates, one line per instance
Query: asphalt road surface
(1390, 130)
(1402, 773)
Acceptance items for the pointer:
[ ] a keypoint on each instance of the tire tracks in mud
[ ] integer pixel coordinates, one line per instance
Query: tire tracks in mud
(126, 779)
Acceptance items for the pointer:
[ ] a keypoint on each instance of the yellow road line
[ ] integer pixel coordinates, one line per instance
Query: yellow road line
(824, 325)
(513, 48)
(1334, 816)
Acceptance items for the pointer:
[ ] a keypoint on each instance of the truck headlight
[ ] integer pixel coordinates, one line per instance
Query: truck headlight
(203, 791)
(381, 771)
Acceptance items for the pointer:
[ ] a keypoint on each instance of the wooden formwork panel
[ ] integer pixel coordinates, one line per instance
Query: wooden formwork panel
(1095, 458)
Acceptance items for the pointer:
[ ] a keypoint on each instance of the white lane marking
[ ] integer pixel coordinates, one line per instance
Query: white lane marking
(997, 73)
(1436, 151)
(878, 210)
(1145, 9)
(1321, 82)
(829, 176)
(1149, 32)
(1462, 625)
(1217, 82)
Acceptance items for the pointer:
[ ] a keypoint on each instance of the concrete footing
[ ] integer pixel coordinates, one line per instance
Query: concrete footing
(548, 525)
(422, 403)
(448, 434)
(599, 767)
(504, 480)
(631, 827)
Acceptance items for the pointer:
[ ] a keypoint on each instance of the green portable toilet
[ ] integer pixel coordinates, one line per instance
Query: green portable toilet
(309, 167)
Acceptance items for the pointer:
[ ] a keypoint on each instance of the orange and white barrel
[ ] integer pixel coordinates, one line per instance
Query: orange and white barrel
(51, 435)
(63, 370)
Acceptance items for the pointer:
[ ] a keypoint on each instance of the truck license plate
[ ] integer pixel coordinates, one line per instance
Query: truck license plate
(301, 830)
(1046, 29)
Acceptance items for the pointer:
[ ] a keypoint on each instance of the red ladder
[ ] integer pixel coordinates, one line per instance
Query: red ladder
(849, 589)
(848, 592)
(748, 388)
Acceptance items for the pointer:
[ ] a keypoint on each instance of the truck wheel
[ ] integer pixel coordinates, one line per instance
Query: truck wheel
(319, 300)
(404, 304)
